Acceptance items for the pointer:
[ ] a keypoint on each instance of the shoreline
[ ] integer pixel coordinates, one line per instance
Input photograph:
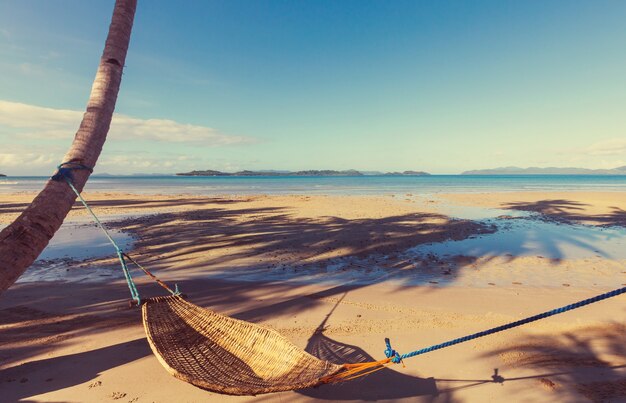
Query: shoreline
(335, 185)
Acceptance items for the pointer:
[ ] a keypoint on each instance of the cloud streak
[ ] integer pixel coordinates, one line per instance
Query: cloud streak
(29, 159)
(615, 146)
(47, 123)
(40, 160)
(32, 160)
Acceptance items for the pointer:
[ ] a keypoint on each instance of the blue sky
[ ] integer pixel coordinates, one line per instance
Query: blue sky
(441, 86)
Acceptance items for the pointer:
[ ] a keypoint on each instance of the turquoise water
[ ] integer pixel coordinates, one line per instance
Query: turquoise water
(332, 185)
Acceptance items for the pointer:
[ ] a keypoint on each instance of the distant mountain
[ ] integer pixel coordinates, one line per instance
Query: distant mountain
(275, 171)
(407, 173)
(327, 172)
(314, 172)
(2, 176)
(207, 172)
(151, 174)
(546, 171)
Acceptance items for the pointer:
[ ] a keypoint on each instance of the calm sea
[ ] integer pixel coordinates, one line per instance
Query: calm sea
(330, 185)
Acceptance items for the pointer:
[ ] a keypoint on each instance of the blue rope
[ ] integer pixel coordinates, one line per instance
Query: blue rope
(64, 172)
(398, 358)
(390, 352)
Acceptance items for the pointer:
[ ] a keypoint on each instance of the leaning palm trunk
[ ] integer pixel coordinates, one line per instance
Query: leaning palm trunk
(23, 240)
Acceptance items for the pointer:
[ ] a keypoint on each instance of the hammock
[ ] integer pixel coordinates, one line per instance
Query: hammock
(226, 355)
(231, 356)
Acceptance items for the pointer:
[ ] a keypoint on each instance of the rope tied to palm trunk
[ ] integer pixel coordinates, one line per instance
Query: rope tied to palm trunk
(65, 170)
(65, 173)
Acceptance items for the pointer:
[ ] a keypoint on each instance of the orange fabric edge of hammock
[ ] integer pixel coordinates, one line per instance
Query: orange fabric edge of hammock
(353, 371)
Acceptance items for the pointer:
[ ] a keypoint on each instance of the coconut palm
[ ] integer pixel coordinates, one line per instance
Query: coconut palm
(23, 240)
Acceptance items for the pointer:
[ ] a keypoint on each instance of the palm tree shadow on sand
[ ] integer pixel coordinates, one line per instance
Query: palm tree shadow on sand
(383, 384)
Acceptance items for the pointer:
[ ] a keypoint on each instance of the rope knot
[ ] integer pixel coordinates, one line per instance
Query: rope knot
(395, 357)
(64, 170)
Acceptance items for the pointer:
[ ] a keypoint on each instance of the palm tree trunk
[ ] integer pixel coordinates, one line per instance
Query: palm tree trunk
(23, 240)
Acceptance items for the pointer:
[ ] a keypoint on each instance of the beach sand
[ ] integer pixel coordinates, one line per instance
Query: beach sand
(359, 265)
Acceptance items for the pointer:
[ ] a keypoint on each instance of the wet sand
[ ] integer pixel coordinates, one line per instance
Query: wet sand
(288, 261)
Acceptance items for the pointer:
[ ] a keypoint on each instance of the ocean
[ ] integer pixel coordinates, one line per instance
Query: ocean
(336, 185)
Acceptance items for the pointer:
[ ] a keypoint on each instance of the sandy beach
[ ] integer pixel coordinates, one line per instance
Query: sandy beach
(335, 273)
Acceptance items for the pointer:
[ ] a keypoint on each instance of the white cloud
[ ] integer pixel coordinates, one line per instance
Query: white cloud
(126, 127)
(615, 146)
(22, 160)
(18, 115)
(32, 160)
(29, 160)
(46, 123)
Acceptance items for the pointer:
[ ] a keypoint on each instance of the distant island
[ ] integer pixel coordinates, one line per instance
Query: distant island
(546, 171)
(314, 172)
(407, 173)
(2, 176)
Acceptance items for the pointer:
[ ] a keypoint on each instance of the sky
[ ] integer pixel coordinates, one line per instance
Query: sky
(439, 86)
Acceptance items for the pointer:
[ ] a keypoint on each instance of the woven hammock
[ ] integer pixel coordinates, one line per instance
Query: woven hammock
(230, 356)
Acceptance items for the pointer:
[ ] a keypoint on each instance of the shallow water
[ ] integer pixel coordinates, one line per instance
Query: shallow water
(79, 241)
(366, 185)
(73, 242)
(522, 233)
(526, 237)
